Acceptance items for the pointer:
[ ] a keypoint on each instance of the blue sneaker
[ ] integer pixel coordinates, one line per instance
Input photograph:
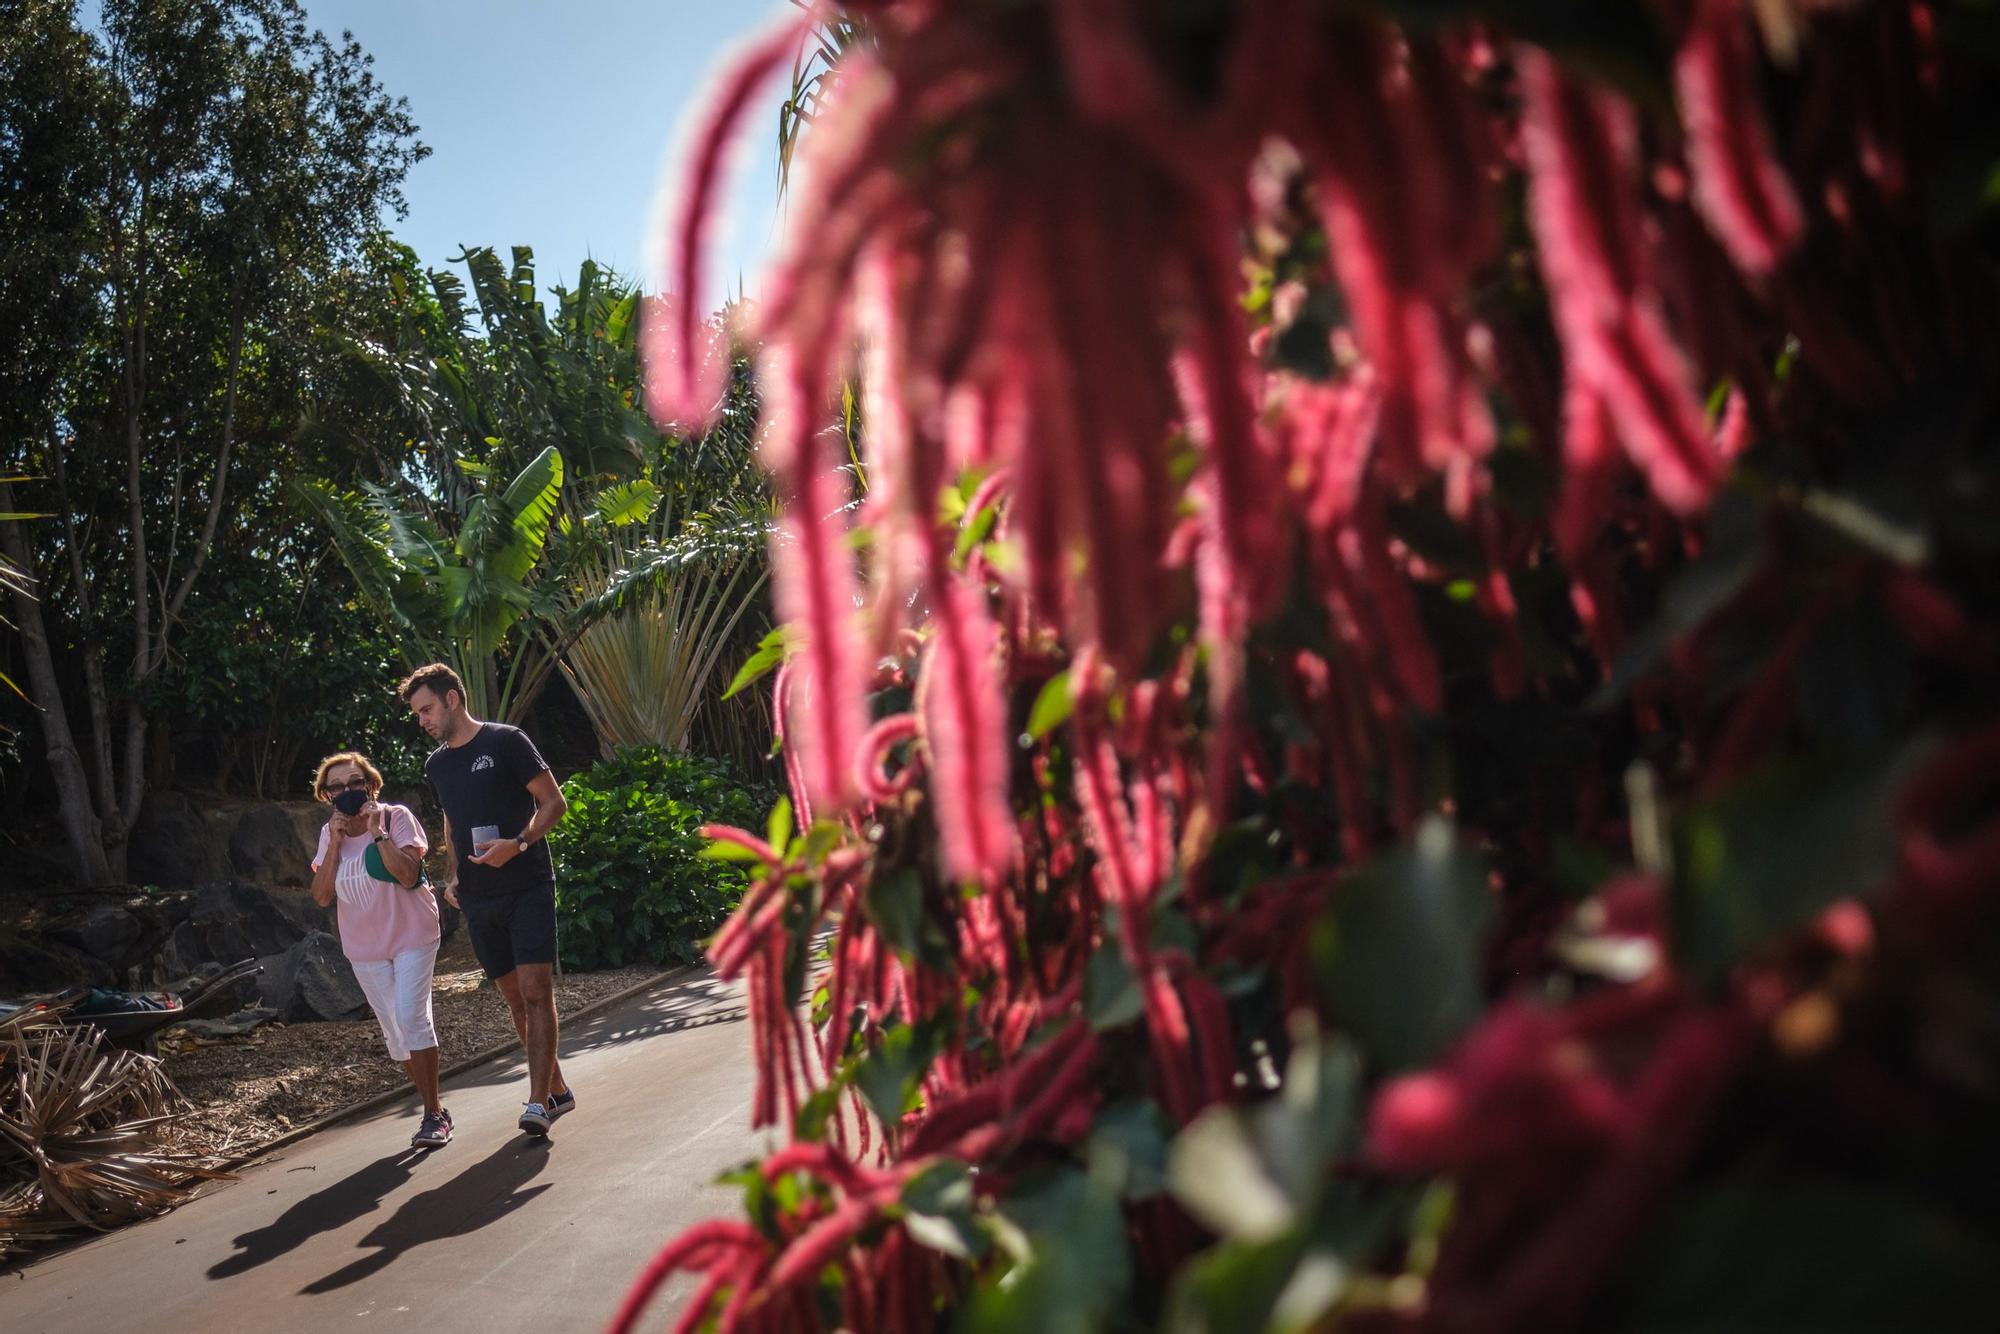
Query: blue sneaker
(560, 1104)
(535, 1119)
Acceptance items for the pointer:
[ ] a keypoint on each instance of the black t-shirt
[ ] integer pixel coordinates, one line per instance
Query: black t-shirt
(485, 782)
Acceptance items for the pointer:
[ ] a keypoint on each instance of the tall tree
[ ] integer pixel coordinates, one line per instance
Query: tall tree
(54, 93)
(241, 162)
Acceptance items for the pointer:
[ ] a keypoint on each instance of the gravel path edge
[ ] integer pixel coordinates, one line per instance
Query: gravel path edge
(388, 1096)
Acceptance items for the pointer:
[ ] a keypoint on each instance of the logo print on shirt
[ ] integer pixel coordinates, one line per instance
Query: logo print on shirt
(483, 762)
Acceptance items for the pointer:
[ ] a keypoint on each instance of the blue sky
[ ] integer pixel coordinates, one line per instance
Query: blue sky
(551, 122)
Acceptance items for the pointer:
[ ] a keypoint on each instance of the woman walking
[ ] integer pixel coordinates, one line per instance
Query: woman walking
(388, 919)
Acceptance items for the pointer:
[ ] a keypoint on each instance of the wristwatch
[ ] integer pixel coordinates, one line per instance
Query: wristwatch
(520, 846)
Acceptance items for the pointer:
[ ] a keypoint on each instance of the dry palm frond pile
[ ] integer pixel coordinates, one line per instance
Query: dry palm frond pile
(90, 1136)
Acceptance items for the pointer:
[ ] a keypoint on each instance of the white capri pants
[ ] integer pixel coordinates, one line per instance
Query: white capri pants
(399, 991)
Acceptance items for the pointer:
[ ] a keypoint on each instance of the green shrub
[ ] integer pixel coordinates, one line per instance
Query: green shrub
(631, 883)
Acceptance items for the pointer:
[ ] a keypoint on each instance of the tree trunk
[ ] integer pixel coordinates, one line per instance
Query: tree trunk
(529, 689)
(160, 755)
(217, 489)
(134, 307)
(119, 820)
(287, 763)
(228, 748)
(98, 698)
(79, 814)
(14, 798)
(121, 817)
(260, 760)
(489, 689)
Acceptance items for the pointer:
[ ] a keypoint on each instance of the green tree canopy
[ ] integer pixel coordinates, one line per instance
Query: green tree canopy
(199, 184)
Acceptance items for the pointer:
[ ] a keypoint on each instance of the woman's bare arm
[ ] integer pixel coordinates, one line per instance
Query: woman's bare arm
(329, 864)
(405, 863)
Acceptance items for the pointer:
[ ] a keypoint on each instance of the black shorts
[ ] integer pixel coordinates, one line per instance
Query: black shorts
(507, 930)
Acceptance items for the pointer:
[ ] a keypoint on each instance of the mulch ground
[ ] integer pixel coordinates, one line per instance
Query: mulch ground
(251, 1089)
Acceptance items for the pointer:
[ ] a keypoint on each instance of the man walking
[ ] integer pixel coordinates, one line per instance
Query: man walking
(499, 799)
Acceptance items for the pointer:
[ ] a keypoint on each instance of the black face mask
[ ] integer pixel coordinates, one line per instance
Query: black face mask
(349, 802)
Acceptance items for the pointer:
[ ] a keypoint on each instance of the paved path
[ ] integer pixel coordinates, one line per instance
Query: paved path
(350, 1229)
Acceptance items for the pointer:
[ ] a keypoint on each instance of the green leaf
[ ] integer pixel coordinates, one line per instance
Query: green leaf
(1397, 953)
(1268, 1274)
(721, 850)
(1866, 528)
(628, 503)
(771, 651)
(1775, 848)
(527, 506)
(1073, 1272)
(974, 532)
(1854, 684)
(1111, 996)
(1691, 597)
(636, 881)
(1217, 1172)
(895, 905)
(619, 320)
(817, 1112)
(778, 829)
(1233, 1286)
(1316, 1119)
(940, 1203)
(1171, 929)
(1052, 706)
(887, 1076)
(821, 838)
(1131, 1139)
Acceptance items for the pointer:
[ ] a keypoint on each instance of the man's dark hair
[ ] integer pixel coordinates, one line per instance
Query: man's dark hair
(438, 677)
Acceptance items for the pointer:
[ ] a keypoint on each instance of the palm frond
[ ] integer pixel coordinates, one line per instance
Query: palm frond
(361, 538)
(644, 672)
(628, 502)
(90, 1137)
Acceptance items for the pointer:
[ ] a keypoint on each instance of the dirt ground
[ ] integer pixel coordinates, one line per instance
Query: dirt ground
(254, 1088)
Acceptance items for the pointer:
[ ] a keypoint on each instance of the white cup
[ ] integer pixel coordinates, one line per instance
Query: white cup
(484, 836)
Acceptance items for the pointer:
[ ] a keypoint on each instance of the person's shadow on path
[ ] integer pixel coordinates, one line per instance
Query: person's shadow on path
(483, 1193)
(322, 1211)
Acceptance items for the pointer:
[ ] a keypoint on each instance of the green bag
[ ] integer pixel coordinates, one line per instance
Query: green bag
(372, 859)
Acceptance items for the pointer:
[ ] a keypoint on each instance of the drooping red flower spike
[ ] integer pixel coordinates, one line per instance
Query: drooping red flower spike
(1280, 427)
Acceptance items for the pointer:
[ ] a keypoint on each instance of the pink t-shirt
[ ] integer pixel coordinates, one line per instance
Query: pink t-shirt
(380, 919)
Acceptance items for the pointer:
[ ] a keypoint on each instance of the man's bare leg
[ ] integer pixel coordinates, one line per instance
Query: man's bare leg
(538, 999)
(520, 1010)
